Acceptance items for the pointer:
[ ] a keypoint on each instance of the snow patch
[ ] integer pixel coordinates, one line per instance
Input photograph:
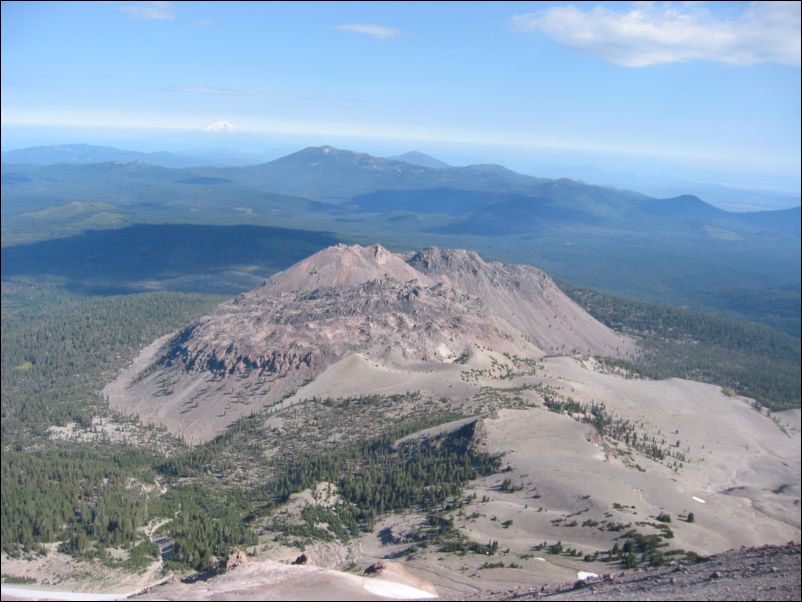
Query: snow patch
(396, 591)
(698, 499)
(582, 575)
(41, 594)
(219, 126)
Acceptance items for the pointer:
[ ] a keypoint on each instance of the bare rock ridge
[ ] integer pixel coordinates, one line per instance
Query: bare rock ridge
(437, 307)
(526, 298)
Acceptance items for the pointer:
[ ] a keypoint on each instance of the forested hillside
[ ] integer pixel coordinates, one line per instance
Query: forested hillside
(751, 359)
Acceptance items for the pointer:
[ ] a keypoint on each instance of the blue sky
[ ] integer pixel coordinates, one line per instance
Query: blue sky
(703, 86)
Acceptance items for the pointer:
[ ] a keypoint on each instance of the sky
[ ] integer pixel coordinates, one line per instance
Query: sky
(692, 87)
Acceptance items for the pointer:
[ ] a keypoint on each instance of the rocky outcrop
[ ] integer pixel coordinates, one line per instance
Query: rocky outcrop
(526, 298)
(234, 559)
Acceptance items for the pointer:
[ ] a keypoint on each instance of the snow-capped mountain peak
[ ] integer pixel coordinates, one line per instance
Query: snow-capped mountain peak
(219, 126)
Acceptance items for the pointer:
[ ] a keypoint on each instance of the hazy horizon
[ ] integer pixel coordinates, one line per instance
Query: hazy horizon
(706, 93)
(734, 191)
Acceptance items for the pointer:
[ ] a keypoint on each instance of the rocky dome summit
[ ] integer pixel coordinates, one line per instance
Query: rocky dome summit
(343, 265)
(432, 311)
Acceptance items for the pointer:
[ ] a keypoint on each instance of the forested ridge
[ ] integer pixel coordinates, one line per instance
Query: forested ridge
(88, 490)
(58, 350)
(56, 356)
(752, 359)
(377, 476)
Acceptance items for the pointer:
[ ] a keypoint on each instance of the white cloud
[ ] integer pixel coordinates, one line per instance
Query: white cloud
(153, 11)
(667, 32)
(376, 31)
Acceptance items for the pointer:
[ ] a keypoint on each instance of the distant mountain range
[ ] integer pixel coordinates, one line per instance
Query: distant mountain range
(418, 158)
(674, 249)
(726, 197)
(335, 175)
(476, 199)
(89, 153)
(82, 154)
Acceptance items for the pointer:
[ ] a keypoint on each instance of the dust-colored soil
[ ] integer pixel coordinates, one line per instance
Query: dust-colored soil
(765, 573)
(268, 580)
